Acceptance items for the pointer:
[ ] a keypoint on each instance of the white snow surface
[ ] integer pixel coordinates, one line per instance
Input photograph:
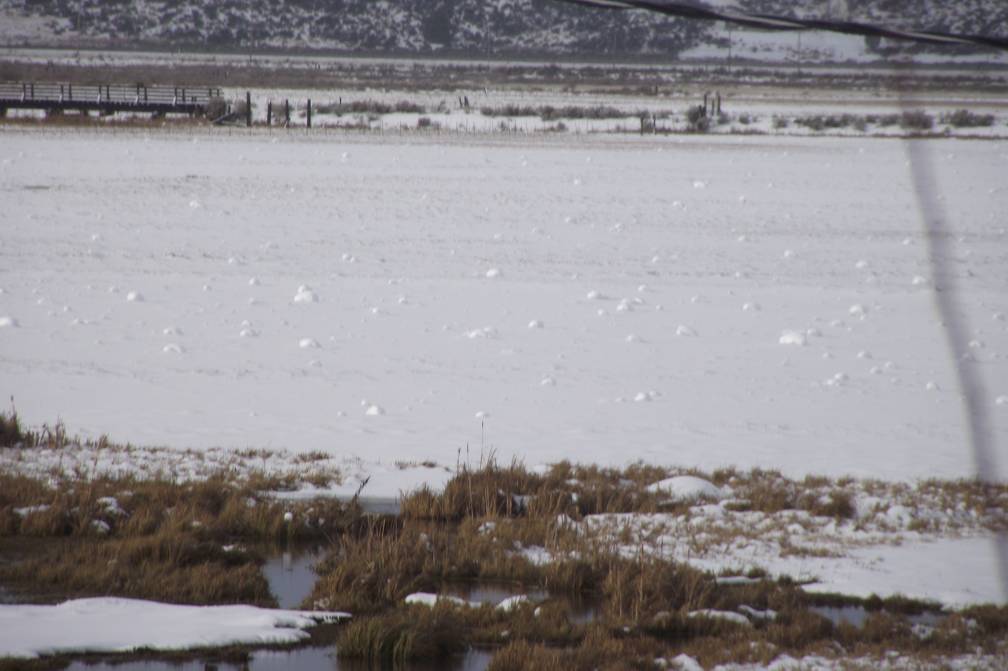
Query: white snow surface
(858, 558)
(122, 625)
(559, 217)
(687, 488)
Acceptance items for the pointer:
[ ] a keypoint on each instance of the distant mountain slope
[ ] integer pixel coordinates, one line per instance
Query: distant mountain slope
(474, 27)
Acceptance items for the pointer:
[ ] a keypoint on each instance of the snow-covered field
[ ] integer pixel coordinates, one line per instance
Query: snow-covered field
(690, 300)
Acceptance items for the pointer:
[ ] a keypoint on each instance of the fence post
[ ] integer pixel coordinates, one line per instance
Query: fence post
(248, 109)
(69, 91)
(286, 113)
(269, 112)
(309, 113)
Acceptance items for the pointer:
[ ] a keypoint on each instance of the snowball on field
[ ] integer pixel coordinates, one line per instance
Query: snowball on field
(374, 411)
(793, 338)
(305, 295)
(8, 322)
(493, 273)
(172, 348)
(134, 297)
(535, 324)
(308, 343)
(687, 488)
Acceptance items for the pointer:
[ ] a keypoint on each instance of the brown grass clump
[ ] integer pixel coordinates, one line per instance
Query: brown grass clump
(175, 568)
(639, 589)
(152, 539)
(10, 430)
(416, 633)
(601, 650)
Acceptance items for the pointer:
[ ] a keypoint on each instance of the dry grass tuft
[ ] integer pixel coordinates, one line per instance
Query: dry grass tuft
(10, 430)
(417, 633)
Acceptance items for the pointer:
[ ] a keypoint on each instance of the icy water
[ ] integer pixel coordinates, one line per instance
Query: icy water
(302, 659)
(857, 616)
(291, 576)
(490, 593)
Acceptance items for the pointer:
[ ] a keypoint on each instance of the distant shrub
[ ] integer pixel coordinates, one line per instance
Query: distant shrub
(551, 113)
(370, 107)
(883, 119)
(216, 108)
(407, 107)
(10, 429)
(819, 122)
(963, 118)
(425, 122)
(780, 122)
(697, 119)
(916, 120)
(745, 119)
(695, 114)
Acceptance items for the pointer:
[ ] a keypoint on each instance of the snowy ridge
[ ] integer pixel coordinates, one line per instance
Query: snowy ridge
(470, 26)
(124, 625)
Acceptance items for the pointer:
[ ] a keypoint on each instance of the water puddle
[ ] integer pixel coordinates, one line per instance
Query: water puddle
(582, 611)
(856, 616)
(300, 659)
(378, 505)
(490, 593)
(291, 575)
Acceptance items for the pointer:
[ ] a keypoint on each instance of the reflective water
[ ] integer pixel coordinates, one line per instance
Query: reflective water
(291, 575)
(491, 593)
(301, 659)
(856, 616)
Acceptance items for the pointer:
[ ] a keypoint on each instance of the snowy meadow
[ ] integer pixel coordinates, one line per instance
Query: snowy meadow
(697, 353)
(736, 301)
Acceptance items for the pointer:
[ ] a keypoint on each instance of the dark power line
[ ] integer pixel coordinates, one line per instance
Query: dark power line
(697, 11)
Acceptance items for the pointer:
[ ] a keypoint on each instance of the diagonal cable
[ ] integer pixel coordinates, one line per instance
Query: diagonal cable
(946, 290)
(701, 12)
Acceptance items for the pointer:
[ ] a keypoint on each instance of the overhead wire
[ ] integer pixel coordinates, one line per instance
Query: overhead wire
(701, 12)
(946, 290)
